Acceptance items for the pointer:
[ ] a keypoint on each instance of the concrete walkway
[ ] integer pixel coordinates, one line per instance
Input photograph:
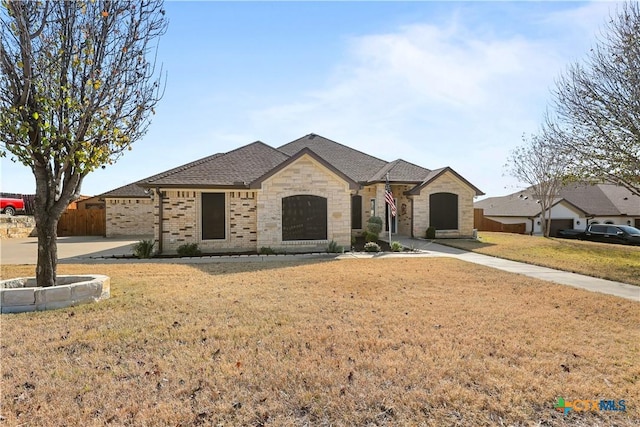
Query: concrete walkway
(100, 250)
(619, 289)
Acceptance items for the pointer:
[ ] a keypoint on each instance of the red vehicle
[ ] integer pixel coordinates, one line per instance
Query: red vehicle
(9, 206)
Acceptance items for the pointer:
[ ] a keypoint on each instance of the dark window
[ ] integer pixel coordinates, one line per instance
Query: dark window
(443, 211)
(213, 216)
(304, 218)
(356, 212)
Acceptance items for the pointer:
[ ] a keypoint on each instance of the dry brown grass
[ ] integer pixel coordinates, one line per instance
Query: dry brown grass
(604, 260)
(359, 342)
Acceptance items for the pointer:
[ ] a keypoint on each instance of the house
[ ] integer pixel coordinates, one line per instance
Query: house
(576, 205)
(297, 197)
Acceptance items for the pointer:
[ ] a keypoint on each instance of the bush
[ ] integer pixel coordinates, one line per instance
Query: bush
(374, 225)
(372, 247)
(334, 248)
(144, 248)
(189, 249)
(369, 237)
(431, 233)
(266, 250)
(396, 247)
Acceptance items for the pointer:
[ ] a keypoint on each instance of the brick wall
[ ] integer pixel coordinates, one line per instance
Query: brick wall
(129, 217)
(305, 176)
(446, 183)
(182, 221)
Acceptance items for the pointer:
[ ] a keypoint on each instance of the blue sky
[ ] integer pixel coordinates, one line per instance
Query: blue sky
(434, 83)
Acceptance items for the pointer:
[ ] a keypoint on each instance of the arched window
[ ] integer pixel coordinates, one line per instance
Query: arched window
(304, 217)
(443, 211)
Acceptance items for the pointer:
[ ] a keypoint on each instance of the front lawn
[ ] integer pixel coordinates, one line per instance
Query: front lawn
(428, 341)
(608, 261)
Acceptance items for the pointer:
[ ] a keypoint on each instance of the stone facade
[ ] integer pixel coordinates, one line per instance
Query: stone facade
(446, 183)
(17, 226)
(305, 176)
(253, 217)
(129, 217)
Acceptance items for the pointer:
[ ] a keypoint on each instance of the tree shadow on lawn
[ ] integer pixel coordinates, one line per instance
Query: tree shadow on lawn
(465, 244)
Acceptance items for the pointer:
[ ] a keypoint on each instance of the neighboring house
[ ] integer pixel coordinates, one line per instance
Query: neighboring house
(298, 197)
(575, 206)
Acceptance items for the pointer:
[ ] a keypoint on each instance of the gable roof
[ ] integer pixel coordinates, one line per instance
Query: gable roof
(353, 163)
(235, 169)
(435, 174)
(592, 200)
(247, 166)
(602, 199)
(305, 151)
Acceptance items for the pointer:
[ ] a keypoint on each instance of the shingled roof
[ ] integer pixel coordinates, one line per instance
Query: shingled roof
(132, 190)
(593, 200)
(243, 166)
(235, 169)
(355, 164)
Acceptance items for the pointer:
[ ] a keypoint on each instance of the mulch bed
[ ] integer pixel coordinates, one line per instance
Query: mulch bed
(358, 246)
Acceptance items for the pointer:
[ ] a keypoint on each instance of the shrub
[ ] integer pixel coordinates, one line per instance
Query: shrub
(431, 233)
(372, 247)
(369, 237)
(334, 248)
(144, 248)
(374, 225)
(266, 250)
(396, 247)
(189, 249)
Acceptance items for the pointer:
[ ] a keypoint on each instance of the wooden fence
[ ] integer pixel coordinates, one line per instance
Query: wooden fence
(82, 222)
(482, 223)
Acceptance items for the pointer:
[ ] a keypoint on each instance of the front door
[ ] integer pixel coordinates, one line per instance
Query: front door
(394, 219)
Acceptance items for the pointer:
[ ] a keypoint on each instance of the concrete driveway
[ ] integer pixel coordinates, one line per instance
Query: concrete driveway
(25, 250)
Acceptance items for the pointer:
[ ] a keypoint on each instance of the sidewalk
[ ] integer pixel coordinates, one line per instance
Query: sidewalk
(589, 283)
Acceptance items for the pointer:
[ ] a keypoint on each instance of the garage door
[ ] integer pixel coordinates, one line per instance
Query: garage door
(560, 224)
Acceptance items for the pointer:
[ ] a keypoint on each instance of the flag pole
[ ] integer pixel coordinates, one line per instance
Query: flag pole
(388, 188)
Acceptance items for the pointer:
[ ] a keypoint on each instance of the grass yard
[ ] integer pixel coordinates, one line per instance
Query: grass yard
(434, 342)
(607, 261)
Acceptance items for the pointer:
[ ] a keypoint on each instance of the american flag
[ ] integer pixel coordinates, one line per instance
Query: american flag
(388, 197)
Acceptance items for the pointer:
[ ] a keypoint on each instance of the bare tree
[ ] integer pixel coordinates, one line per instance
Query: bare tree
(537, 164)
(597, 106)
(78, 86)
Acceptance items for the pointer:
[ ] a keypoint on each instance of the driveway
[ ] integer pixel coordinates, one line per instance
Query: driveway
(25, 250)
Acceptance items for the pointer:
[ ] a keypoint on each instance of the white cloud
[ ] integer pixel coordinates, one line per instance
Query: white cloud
(434, 95)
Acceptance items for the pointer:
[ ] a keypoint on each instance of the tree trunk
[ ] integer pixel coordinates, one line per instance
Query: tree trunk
(47, 211)
(47, 252)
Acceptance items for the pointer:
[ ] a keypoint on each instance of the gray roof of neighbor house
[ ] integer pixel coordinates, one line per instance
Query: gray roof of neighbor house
(598, 200)
(243, 166)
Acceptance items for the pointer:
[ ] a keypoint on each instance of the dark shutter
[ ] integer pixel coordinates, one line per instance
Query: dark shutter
(443, 211)
(304, 218)
(213, 216)
(356, 212)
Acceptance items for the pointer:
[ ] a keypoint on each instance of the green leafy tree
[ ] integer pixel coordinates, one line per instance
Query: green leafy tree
(596, 115)
(78, 84)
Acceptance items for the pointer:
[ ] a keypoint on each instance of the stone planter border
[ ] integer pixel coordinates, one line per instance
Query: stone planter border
(21, 295)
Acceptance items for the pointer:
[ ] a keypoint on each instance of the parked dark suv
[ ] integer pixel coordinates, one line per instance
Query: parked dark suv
(609, 233)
